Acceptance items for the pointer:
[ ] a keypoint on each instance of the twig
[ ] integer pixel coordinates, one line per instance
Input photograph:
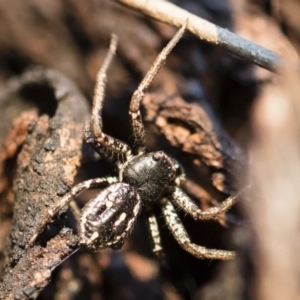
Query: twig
(171, 14)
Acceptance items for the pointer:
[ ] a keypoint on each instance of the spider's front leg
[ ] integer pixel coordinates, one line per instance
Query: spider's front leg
(180, 234)
(110, 148)
(134, 109)
(75, 191)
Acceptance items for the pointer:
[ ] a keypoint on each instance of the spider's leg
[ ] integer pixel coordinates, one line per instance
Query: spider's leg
(134, 109)
(75, 191)
(180, 179)
(75, 210)
(155, 236)
(104, 144)
(180, 234)
(78, 189)
(187, 205)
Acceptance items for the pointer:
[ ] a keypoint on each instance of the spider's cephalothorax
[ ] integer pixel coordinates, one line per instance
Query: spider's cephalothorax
(144, 178)
(151, 174)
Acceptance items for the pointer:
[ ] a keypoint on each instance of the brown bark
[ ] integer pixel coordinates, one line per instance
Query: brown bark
(46, 166)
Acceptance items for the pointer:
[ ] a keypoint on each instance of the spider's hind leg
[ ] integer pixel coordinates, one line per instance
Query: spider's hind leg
(110, 148)
(78, 189)
(75, 191)
(155, 235)
(180, 234)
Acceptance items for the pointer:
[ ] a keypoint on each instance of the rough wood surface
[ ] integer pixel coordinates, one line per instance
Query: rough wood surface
(47, 164)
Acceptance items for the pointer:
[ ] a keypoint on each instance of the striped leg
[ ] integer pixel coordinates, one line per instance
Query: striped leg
(75, 191)
(78, 189)
(134, 109)
(110, 148)
(155, 236)
(180, 234)
(187, 205)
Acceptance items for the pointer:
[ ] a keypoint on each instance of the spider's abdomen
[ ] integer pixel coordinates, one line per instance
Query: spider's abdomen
(108, 219)
(150, 174)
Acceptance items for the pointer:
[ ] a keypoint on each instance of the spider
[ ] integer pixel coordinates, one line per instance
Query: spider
(144, 179)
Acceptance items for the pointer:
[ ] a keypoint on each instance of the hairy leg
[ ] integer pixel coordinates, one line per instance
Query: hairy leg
(187, 205)
(75, 191)
(155, 236)
(110, 148)
(180, 234)
(134, 109)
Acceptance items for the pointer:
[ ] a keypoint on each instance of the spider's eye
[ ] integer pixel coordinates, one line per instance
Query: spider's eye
(158, 155)
(178, 169)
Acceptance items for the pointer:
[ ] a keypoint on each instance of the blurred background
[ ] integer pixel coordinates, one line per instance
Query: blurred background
(229, 122)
